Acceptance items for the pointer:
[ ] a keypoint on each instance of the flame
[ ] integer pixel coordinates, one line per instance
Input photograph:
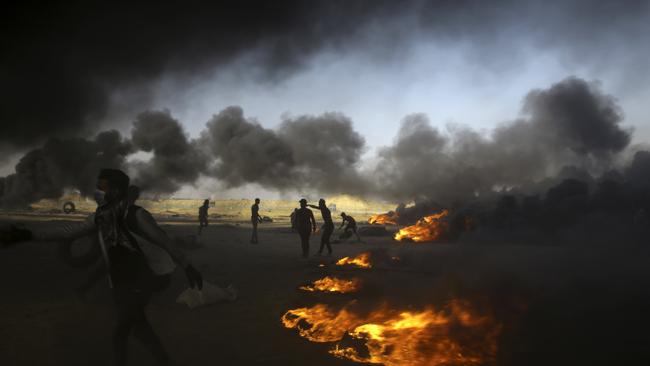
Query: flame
(428, 228)
(454, 335)
(362, 260)
(332, 284)
(384, 219)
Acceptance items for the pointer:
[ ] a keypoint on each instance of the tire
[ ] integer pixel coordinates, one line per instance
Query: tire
(69, 207)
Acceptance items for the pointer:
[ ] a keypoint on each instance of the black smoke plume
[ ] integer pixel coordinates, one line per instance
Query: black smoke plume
(317, 153)
(62, 163)
(176, 159)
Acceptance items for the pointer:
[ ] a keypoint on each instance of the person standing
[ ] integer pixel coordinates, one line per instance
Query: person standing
(327, 228)
(305, 224)
(255, 219)
(203, 215)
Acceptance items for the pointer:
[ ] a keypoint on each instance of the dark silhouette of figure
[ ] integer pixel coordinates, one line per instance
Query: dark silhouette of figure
(129, 275)
(203, 215)
(305, 224)
(293, 219)
(255, 219)
(351, 227)
(327, 228)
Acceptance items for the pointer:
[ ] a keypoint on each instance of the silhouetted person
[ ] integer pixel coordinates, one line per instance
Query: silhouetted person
(327, 228)
(293, 219)
(129, 275)
(351, 227)
(255, 219)
(203, 215)
(305, 224)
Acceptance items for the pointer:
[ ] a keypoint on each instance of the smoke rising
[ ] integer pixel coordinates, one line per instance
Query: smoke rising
(570, 130)
(318, 153)
(69, 58)
(63, 163)
(176, 160)
(570, 124)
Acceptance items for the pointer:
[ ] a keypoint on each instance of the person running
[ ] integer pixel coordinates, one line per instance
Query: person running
(255, 219)
(351, 227)
(305, 224)
(327, 228)
(203, 215)
(129, 273)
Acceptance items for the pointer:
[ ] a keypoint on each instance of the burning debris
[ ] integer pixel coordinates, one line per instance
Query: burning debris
(362, 261)
(333, 284)
(389, 218)
(428, 228)
(452, 335)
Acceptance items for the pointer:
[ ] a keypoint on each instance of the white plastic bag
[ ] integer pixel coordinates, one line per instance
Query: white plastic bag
(210, 294)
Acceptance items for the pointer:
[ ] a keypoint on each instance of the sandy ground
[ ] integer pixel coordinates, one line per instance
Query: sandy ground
(559, 306)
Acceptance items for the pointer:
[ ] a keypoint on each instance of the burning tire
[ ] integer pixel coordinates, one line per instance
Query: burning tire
(69, 207)
(72, 252)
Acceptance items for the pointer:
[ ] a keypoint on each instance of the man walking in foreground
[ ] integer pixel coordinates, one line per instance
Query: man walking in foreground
(327, 228)
(130, 276)
(305, 224)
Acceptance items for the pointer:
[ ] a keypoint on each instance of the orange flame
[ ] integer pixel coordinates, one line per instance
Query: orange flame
(428, 228)
(332, 284)
(452, 336)
(384, 219)
(362, 260)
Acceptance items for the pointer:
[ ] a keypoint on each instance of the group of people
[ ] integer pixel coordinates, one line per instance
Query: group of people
(118, 222)
(304, 223)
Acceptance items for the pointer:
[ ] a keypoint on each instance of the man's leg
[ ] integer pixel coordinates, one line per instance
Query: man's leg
(125, 312)
(304, 242)
(354, 230)
(143, 331)
(254, 236)
(325, 238)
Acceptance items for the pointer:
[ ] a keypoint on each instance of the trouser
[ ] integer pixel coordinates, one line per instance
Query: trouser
(327, 230)
(202, 224)
(304, 241)
(254, 235)
(132, 282)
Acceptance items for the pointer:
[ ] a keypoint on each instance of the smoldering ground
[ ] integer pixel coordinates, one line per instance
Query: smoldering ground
(558, 305)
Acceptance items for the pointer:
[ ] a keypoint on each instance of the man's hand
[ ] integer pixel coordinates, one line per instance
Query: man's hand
(314, 229)
(194, 277)
(14, 234)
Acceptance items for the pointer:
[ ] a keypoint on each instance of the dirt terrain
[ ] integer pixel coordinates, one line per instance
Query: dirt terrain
(560, 306)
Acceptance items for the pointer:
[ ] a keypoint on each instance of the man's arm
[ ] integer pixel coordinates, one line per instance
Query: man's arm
(67, 231)
(342, 223)
(313, 206)
(149, 229)
(313, 220)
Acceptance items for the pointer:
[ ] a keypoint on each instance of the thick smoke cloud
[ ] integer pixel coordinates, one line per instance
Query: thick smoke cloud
(570, 124)
(176, 159)
(571, 130)
(318, 153)
(69, 58)
(62, 163)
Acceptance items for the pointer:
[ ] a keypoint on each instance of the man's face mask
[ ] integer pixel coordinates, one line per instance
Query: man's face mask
(100, 197)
